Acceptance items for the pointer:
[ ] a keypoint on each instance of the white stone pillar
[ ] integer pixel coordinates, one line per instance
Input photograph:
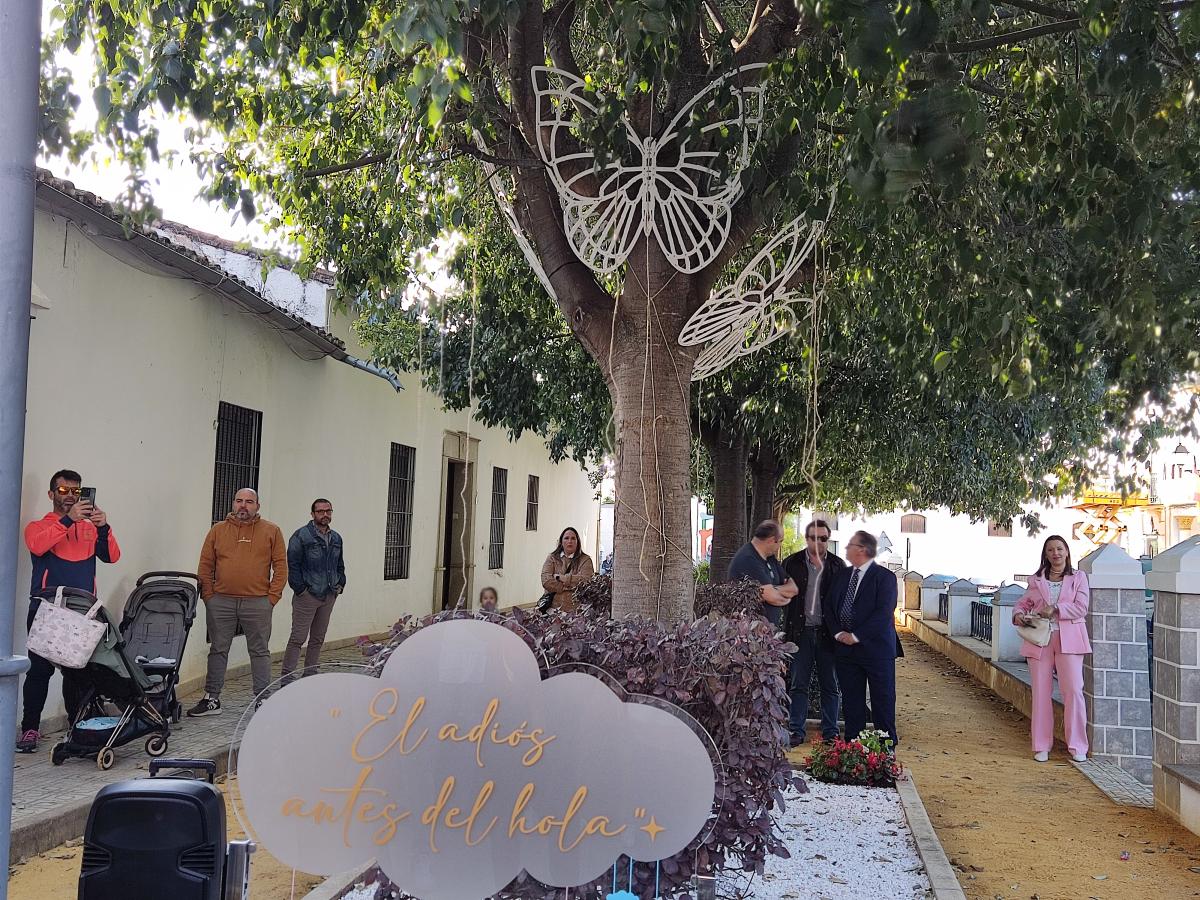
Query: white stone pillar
(1175, 580)
(1116, 676)
(930, 588)
(962, 594)
(1006, 643)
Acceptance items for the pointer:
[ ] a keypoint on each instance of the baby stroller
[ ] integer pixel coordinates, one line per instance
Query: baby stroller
(134, 671)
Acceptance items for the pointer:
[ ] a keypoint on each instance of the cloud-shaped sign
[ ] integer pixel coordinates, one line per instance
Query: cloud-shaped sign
(459, 767)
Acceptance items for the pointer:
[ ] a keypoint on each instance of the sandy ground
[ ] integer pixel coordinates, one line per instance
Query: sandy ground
(1016, 828)
(54, 875)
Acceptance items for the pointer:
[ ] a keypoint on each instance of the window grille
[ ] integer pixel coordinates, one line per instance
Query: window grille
(531, 504)
(397, 544)
(499, 506)
(239, 440)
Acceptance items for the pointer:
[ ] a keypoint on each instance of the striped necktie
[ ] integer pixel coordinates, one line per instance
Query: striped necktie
(848, 600)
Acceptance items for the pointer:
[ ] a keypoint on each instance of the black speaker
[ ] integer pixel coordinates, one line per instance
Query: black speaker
(154, 838)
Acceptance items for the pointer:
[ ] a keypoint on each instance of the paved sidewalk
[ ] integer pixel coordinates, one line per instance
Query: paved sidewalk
(50, 803)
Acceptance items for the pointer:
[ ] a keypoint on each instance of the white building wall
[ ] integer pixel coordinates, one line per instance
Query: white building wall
(127, 367)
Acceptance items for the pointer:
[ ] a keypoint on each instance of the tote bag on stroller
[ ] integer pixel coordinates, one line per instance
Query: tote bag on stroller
(63, 636)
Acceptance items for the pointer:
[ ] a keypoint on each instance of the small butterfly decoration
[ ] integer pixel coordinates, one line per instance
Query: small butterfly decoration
(755, 310)
(675, 190)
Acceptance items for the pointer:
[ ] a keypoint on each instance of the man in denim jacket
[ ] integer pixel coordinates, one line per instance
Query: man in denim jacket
(317, 574)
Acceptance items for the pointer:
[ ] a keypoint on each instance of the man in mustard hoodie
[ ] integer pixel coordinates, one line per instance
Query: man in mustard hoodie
(242, 571)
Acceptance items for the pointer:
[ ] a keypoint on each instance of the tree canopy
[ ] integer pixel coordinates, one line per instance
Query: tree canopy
(1016, 205)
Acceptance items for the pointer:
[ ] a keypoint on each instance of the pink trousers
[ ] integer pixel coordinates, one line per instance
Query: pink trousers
(1069, 667)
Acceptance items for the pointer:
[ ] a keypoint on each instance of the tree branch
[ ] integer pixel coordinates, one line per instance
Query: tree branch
(559, 18)
(462, 148)
(361, 163)
(978, 84)
(1008, 38)
(719, 20)
(1027, 34)
(776, 30)
(1042, 9)
(760, 7)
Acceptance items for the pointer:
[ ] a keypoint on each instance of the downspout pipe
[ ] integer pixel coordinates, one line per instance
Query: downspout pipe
(386, 374)
(20, 46)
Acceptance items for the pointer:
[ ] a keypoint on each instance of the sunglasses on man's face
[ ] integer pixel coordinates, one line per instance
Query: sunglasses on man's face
(63, 490)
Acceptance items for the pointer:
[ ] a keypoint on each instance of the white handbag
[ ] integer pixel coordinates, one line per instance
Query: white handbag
(1038, 633)
(63, 636)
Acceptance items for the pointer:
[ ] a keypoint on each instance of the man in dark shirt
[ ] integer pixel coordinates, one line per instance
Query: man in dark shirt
(813, 569)
(758, 561)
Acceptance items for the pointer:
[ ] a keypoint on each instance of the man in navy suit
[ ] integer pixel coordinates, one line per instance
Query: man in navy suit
(858, 614)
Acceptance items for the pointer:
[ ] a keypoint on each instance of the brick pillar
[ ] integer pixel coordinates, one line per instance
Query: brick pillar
(1116, 677)
(1175, 580)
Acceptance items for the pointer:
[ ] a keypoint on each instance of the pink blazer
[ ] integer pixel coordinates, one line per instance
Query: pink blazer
(1072, 612)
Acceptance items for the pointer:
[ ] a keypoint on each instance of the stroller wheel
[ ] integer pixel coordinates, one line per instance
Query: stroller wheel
(156, 745)
(176, 713)
(58, 754)
(105, 759)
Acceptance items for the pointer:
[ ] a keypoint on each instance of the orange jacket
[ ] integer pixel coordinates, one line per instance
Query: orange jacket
(243, 560)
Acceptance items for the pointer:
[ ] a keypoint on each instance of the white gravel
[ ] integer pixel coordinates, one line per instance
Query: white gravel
(845, 842)
(849, 842)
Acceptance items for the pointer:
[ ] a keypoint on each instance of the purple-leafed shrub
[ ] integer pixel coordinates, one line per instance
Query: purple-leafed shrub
(727, 672)
(595, 598)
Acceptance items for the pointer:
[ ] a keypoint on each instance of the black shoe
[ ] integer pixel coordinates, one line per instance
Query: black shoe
(208, 706)
(795, 741)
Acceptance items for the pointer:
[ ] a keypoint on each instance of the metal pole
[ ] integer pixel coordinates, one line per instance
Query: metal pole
(20, 39)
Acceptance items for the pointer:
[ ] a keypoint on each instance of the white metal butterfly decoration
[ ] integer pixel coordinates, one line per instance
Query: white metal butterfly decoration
(676, 189)
(755, 310)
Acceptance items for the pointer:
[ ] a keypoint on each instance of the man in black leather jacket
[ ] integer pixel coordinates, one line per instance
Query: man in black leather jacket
(813, 570)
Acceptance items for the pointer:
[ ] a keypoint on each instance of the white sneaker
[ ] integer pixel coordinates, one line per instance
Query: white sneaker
(1042, 755)
(1079, 757)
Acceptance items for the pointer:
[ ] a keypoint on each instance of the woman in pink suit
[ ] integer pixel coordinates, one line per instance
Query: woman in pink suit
(1058, 593)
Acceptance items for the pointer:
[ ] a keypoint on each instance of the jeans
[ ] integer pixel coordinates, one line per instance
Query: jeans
(813, 647)
(37, 685)
(224, 615)
(310, 621)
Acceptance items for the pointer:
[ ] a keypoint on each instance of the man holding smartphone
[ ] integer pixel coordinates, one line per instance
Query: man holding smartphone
(64, 545)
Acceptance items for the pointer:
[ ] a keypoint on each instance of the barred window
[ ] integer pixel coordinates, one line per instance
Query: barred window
(913, 523)
(499, 507)
(531, 504)
(397, 544)
(239, 439)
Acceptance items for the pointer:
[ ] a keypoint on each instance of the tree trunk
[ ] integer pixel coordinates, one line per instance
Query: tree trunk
(766, 468)
(729, 455)
(649, 376)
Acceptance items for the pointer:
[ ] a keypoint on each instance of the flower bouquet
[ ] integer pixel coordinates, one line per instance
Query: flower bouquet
(867, 760)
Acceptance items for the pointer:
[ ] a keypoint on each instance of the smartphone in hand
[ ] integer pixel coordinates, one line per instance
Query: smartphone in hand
(87, 495)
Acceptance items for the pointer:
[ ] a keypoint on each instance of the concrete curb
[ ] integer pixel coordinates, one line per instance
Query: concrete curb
(335, 885)
(941, 874)
(70, 821)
